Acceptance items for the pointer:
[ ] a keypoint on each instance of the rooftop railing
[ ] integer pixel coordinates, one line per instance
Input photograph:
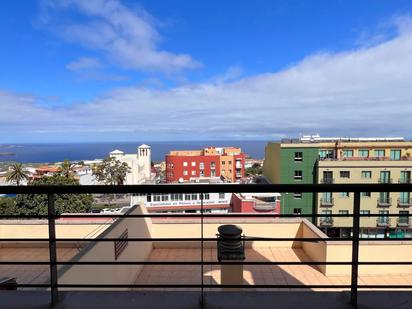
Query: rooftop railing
(52, 191)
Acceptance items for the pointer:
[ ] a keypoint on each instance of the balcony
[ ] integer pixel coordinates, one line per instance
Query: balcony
(327, 180)
(404, 202)
(403, 222)
(238, 165)
(385, 180)
(326, 222)
(384, 201)
(326, 202)
(161, 253)
(383, 222)
(404, 180)
(262, 206)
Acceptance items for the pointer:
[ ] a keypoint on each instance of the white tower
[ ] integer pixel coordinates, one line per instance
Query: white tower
(144, 158)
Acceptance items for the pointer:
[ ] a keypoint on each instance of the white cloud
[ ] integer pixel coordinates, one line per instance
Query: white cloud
(127, 37)
(361, 92)
(84, 63)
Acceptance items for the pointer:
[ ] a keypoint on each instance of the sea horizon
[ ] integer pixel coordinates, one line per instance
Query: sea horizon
(43, 152)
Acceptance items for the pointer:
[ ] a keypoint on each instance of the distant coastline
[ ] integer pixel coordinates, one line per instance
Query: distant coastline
(7, 154)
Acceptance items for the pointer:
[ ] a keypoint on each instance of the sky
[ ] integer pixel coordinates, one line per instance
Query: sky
(118, 70)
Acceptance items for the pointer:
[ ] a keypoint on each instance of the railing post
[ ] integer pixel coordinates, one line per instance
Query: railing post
(355, 250)
(52, 249)
(201, 254)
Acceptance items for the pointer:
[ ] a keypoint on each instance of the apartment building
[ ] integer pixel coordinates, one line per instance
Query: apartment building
(226, 162)
(313, 159)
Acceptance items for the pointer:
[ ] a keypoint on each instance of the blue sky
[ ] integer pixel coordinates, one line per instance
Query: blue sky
(102, 70)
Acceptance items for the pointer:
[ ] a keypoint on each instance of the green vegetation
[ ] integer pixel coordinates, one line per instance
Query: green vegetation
(17, 174)
(7, 206)
(66, 169)
(36, 204)
(111, 171)
(256, 169)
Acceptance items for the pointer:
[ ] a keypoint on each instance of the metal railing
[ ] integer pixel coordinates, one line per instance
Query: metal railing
(404, 202)
(327, 201)
(52, 191)
(384, 201)
(327, 180)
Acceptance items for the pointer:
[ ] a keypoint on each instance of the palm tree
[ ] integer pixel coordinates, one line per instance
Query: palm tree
(66, 169)
(17, 174)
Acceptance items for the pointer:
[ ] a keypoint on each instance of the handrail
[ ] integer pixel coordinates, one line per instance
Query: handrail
(51, 191)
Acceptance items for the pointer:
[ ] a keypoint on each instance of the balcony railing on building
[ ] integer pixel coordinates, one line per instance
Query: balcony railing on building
(405, 180)
(326, 221)
(326, 202)
(327, 180)
(384, 201)
(383, 221)
(403, 222)
(404, 202)
(385, 180)
(264, 206)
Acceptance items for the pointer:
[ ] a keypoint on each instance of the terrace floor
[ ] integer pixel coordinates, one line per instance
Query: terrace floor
(252, 274)
(34, 274)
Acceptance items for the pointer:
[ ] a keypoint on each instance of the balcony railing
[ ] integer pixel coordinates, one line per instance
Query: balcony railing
(403, 222)
(327, 180)
(383, 221)
(404, 202)
(326, 221)
(326, 202)
(385, 180)
(384, 201)
(405, 180)
(51, 191)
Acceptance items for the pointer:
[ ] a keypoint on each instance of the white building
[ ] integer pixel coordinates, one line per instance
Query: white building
(139, 163)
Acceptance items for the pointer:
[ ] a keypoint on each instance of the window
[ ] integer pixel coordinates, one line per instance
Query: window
(193, 173)
(366, 174)
(365, 194)
(327, 197)
(297, 195)
(404, 197)
(165, 197)
(298, 156)
(395, 154)
(348, 153)
(405, 177)
(149, 198)
(344, 212)
(327, 177)
(297, 211)
(385, 177)
(187, 197)
(364, 212)
(206, 196)
(202, 173)
(221, 195)
(202, 165)
(379, 153)
(171, 165)
(213, 173)
(229, 162)
(185, 173)
(156, 198)
(193, 163)
(212, 164)
(344, 194)
(344, 174)
(223, 162)
(326, 154)
(194, 197)
(383, 218)
(298, 175)
(363, 153)
(185, 163)
(403, 218)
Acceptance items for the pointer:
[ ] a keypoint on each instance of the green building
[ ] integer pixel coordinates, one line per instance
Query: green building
(292, 163)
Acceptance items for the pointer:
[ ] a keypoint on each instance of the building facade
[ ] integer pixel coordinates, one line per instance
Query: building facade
(139, 163)
(344, 160)
(226, 162)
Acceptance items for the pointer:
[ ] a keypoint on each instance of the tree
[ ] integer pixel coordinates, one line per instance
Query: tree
(36, 204)
(66, 169)
(7, 206)
(17, 174)
(111, 171)
(256, 169)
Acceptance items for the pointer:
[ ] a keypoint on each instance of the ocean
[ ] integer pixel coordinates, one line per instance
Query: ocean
(36, 153)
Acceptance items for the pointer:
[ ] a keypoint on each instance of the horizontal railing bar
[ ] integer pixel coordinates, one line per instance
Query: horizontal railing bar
(184, 263)
(309, 239)
(212, 286)
(185, 215)
(207, 188)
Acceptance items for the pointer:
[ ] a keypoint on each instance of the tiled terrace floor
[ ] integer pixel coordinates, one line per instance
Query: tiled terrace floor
(252, 274)
(34, 274)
